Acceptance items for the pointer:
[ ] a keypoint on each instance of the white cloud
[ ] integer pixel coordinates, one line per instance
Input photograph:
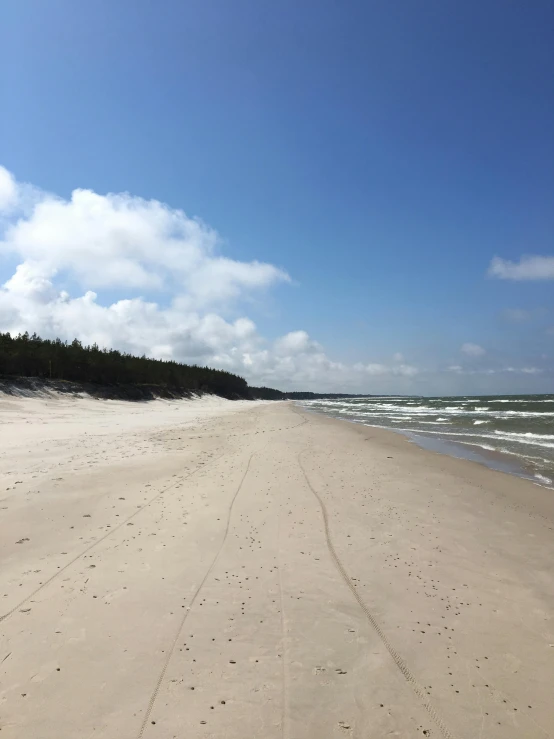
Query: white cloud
(472, 350)
(29, 301)
(8, 190)
(175, 289)
(458, 369)
(529, 267)
(398, 370)
(177, 296)
(121, 241)
(405, 370)
(296, 342)
(517, 315)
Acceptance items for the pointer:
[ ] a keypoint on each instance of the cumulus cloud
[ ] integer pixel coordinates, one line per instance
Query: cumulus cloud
(139, 276)
(176, 290)
(396, 370)
(296, 342)
(529, 267)
(122, 241)
(472, 350)
(8, 190)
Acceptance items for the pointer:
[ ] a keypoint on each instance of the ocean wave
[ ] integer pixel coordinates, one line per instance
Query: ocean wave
(528, 414)
(521, 400)
(535, 440)
(510, 400)
(487, 447)
(449, 400)
(418, 410)
(453, 411)
(542, 478)
(522, 456)
(525, 434)
(479, 422)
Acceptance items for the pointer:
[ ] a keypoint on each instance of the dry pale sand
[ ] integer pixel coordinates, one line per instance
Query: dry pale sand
(209, 569)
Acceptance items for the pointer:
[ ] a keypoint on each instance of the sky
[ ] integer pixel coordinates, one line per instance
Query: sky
(319, 195)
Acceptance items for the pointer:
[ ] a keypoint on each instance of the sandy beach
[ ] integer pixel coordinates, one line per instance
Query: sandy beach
(214, 569)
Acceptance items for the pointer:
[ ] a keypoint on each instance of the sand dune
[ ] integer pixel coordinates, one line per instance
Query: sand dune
(215, 569)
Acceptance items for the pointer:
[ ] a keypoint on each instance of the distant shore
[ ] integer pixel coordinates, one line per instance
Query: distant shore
(229, 569)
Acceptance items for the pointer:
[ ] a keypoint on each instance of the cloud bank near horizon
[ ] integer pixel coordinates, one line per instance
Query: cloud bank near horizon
(178, 296)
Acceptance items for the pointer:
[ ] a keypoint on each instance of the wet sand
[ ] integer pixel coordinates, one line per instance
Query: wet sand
(215, 569)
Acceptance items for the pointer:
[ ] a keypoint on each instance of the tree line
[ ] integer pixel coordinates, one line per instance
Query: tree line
(54, 359)
(27, 356)
(269, 393)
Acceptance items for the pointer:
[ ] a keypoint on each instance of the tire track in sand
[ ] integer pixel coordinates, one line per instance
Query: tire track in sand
(160, 679)
(103, 538)
(398, 661)
(285, 719)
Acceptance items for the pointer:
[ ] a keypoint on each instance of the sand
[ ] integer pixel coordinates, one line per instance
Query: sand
(215, 569)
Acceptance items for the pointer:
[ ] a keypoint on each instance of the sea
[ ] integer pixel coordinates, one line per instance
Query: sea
(514, 433)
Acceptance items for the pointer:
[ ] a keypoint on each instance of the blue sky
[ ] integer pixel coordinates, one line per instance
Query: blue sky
(380, 154)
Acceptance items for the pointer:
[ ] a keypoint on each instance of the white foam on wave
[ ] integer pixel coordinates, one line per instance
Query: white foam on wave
(421, 410)
(488, 447)
(479, 423)
(529, 458)
(525, 435)
(510, 400)
(527, 414)
(542, 478)
(497, 435)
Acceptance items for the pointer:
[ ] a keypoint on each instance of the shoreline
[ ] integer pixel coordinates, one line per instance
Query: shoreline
(223, 569)
(499, 460)
(524, 489)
